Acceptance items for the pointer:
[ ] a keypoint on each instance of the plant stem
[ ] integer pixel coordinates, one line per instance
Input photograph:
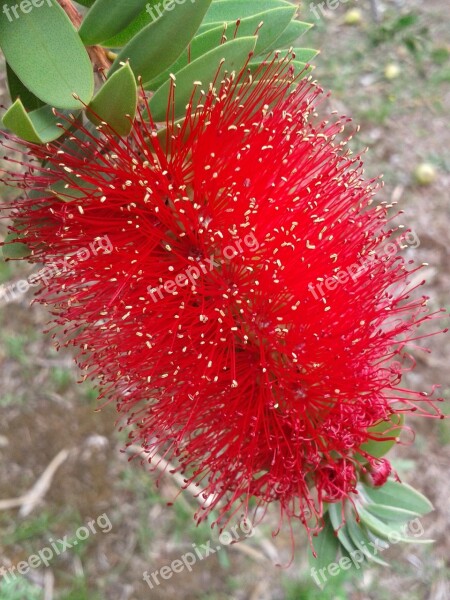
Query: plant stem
(98, 55)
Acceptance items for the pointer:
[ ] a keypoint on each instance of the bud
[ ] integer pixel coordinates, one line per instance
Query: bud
(378, 472)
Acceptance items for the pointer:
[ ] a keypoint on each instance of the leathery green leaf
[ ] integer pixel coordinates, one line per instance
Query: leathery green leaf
(391, 429)
(159, 44)
(38, 126)
(152, 12)
(107, 18)
(268, 24)
(361, 538)
(45, 51)
(273, 22)
(18, 90)
(222, 11)
(340, 528)
(290, 35)
(14, 249)
(326, 546)
(394, 493)
(204, 69)
(116, 101)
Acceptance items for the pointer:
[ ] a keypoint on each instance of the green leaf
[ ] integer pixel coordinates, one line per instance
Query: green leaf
(392, 532)
(305, 55)
(45, 51)
(335, 514)
(222, 11)
(81, 144)
(203, 69)
(107, 18)
(391, 428)
(65, 192)
(39, 126)
(274, 21)
(151, 13)
(300, 67)
(116, 101)
(87, 3)
(201, 44)
(14, 250)
(402, 495)
(290, 36)
(377, 526)
(159, 44)
(360, 537)
(391, 513)
(257, 72)
(326, 546)
(18, 90)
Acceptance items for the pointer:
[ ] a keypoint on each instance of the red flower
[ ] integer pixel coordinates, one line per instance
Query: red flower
(335, 480)
(378, 472)
(208, 322)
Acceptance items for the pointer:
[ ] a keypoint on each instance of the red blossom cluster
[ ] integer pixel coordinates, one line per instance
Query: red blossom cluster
(254, 387)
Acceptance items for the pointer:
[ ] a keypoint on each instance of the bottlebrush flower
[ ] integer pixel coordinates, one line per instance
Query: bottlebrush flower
(200, 324)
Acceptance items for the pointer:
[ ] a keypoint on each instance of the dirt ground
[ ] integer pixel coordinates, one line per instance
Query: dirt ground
(404, 122)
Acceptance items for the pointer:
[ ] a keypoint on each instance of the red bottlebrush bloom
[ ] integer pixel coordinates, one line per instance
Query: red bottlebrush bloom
(247, 315)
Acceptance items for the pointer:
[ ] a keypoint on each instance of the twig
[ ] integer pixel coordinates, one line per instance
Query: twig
(71, 12)
(28, 501)
(376, 11)
(260, 591)
(98, 55)
(249, 551)
(166, 467)
(49, 584)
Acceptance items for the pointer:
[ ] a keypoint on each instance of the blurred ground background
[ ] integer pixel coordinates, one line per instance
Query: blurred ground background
(404, 122)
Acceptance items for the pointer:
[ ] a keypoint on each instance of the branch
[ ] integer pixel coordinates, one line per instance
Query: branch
(97, 54)
(166, 467)
(28, 501)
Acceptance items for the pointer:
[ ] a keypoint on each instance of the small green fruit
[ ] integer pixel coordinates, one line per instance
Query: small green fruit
(425, 174)
(392, 71)
(353, 17)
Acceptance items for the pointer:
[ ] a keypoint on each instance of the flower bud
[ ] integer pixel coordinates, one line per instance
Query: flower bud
(378, 472)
